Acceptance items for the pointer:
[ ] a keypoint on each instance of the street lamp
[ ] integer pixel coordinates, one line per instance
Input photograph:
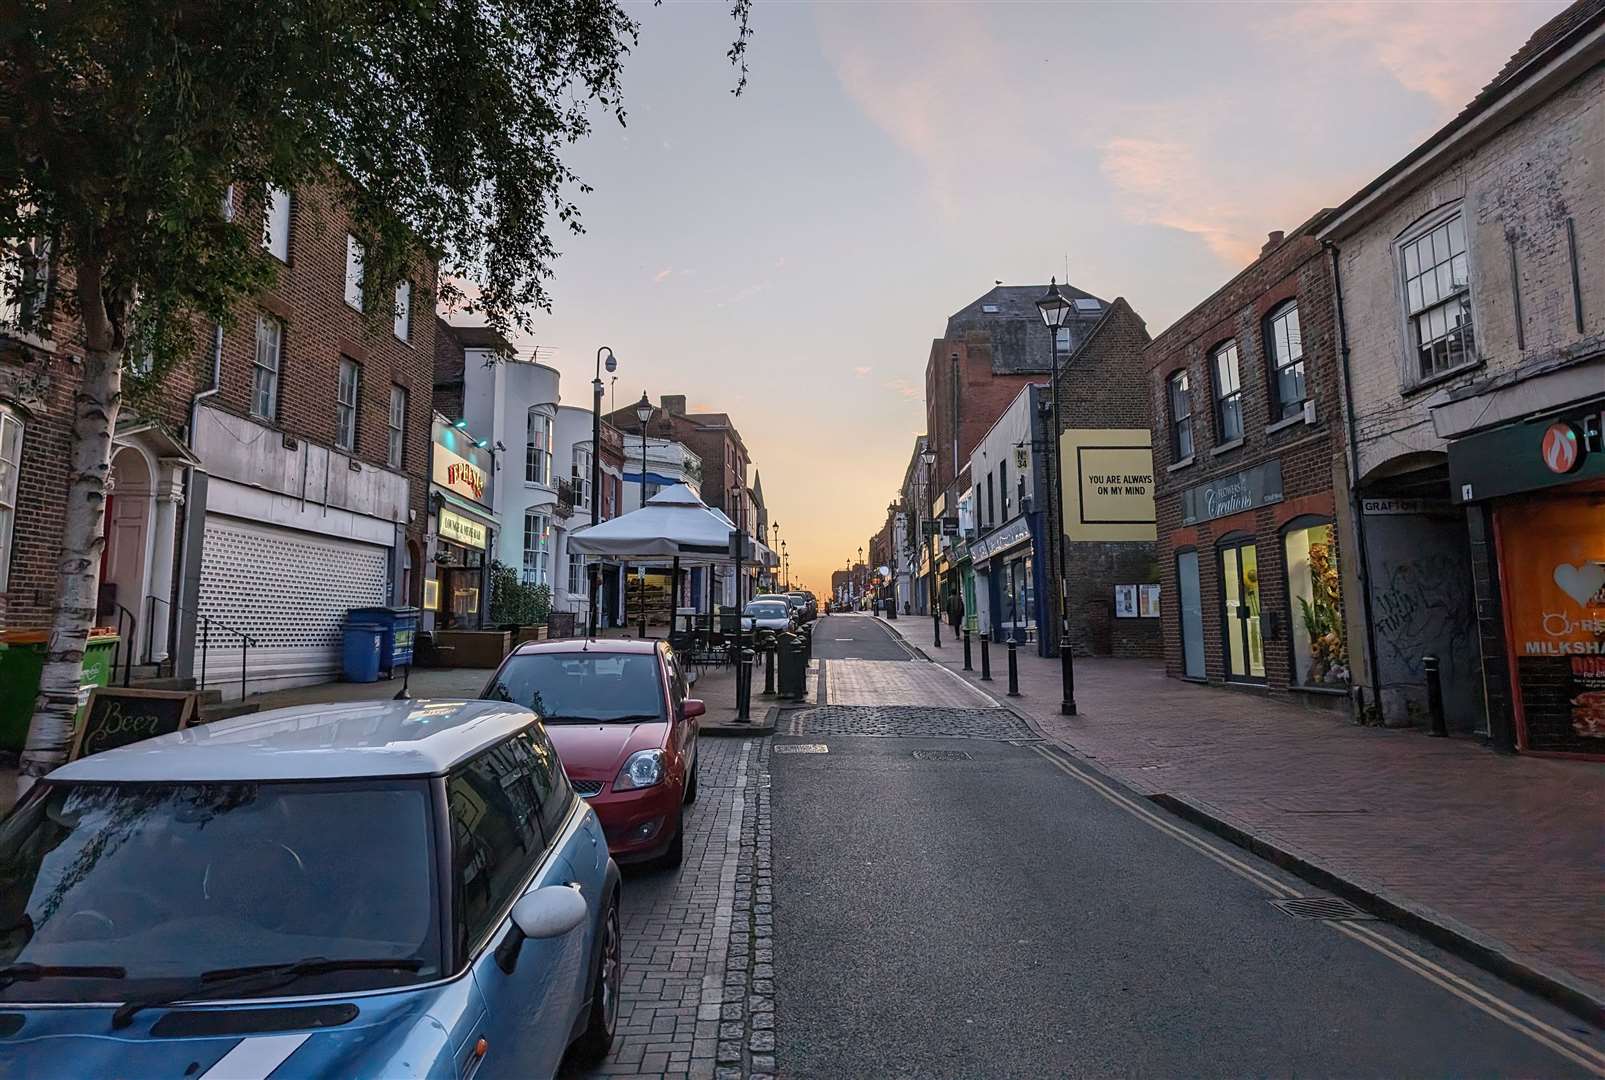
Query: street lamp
(643, 413)
(596, 474)
(928, 459)
(1056, 312)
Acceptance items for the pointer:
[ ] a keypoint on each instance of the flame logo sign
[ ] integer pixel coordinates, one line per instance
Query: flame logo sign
(1560, 448)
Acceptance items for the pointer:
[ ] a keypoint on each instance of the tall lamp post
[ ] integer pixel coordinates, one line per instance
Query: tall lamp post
(1056, 312)
(596, 477)
(858, 578)
(643, 413)
(928, 459)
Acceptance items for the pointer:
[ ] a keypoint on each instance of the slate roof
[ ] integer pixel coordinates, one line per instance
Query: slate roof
(1020, 343)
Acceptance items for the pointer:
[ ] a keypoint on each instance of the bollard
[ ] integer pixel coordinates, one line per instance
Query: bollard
(744, 688)
(936, 623)
(769, 669)
(1429, 667)
(967, 666)
(986, 659)
(1014, 672)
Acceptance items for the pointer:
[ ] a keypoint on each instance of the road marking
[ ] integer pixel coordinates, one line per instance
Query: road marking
(1495, 1006)
(982, 695)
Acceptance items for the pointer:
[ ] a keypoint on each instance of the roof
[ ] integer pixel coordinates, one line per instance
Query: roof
(601, 646)
(1009, 317)
(313, 742)
(1569, 30)
(1014, 302)
(481, 337)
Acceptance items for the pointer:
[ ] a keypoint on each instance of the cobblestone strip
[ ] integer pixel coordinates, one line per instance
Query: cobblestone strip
(747, 1020)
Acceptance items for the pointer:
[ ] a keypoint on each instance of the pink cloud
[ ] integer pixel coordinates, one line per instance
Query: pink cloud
(861, 371)
(662, 275)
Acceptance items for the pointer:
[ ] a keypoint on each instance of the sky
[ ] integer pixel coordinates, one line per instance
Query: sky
(787, 256)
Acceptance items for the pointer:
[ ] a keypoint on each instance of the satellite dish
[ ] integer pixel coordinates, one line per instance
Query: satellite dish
(612, 364)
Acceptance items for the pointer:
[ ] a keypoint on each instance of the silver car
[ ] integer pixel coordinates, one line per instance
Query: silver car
(773, 615)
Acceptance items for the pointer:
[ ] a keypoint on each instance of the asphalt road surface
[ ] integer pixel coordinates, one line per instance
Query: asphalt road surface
(980, 906)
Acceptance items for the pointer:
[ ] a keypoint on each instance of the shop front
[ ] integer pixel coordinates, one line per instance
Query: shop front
(462, 532)
(1010, 575)
(1542, 483)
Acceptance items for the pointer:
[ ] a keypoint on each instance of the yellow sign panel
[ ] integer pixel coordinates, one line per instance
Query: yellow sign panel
(461, 530)
(1108, 484)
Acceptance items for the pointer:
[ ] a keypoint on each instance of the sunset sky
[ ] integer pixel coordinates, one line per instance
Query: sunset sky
(787, 256)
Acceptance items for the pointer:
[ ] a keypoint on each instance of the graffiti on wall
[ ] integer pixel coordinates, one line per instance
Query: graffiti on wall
(1424, 605)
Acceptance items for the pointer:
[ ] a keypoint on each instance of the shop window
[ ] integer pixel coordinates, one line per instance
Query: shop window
(1181, 416)
(1228, 393)
(10, 466)
(537, 548)
(1284, 347)
(1436, 271)
(1320, 656)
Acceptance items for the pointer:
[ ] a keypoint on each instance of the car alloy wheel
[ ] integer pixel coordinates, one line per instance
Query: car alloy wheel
(612, 970)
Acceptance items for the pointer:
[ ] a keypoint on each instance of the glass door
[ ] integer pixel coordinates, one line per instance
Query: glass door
(1192, 615)
(1240, 601)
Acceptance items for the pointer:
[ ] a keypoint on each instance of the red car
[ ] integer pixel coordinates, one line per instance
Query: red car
(624, 728)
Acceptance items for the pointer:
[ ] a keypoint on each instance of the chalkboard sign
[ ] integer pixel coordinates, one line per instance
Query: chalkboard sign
(117, 716)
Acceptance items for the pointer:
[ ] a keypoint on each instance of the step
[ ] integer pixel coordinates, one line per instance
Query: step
(158, 682)
(210, 713)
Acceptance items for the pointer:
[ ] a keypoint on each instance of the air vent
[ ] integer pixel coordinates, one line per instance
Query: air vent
(1330, 908)
(187, 1023)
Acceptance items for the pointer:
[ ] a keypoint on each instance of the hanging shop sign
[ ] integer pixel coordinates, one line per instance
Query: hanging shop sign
(1226, 495)
(461, 530)
(456, 473)
(1545, 453)
(1108, 484)
(1552, 569)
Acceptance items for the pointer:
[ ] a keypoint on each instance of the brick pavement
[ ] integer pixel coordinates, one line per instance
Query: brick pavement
(1511, 849)
(697, 1000)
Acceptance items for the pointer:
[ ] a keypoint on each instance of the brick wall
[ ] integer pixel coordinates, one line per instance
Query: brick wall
(1101, 385)
(1293, 269)
(984, 395)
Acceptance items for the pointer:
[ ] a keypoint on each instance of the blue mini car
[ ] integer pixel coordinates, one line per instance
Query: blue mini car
(397, 889)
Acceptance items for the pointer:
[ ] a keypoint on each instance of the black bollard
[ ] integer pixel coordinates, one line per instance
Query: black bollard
(986, 659)
(936, 623)
(769, 670)
(967, 666)
(1014, 672)
(744, 687)
(1429, 667)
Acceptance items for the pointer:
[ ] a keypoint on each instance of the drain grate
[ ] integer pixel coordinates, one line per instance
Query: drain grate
(1322, 907)
(941, 755)
(802, 748)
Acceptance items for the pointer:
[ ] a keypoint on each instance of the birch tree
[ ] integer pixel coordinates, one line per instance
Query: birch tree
(441, 124)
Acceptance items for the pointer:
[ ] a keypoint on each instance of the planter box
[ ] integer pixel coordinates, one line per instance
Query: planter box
(471, 648)
(530, 633)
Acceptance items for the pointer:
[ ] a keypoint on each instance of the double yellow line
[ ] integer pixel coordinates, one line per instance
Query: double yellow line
(1547, 1034)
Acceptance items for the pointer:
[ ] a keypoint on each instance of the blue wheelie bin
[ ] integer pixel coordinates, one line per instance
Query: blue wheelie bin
(399, 627)
(359, 654)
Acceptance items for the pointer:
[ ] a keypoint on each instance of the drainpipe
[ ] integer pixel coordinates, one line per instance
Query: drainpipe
(176, 642)
(1356, 507)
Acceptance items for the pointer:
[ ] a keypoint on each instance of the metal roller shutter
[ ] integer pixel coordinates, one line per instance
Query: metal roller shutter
(289, 591)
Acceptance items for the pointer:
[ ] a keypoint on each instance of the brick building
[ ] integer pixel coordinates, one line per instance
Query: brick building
(1472, 287)
(1247, 446)
(268, 484)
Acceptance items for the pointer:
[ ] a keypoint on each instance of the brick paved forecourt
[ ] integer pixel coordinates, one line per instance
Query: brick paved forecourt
(698, 981)
(1500, 852)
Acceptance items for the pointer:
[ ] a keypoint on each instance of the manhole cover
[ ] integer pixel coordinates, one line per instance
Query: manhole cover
(802, 748)
(1321, 907)
(941, 755)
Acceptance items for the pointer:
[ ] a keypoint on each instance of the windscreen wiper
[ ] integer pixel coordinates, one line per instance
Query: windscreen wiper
(26, 972)
(259, 977)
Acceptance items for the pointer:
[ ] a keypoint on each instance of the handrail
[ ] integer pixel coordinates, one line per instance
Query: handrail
(247, 642)
(127, 656)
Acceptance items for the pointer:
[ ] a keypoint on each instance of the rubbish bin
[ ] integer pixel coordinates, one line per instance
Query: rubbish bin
(791, 678)
(22, 661)
(359, 654)
(399, 627)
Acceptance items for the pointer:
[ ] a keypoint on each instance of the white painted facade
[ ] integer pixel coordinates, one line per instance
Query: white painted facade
(513, 405)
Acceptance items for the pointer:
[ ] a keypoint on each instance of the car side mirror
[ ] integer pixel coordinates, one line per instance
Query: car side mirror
(692, 707)
(549, 912)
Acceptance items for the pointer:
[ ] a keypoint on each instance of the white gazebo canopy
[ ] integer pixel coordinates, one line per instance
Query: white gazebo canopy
(674, 523)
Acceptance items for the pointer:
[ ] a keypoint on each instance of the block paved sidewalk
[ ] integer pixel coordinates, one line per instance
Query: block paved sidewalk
(1508, 852)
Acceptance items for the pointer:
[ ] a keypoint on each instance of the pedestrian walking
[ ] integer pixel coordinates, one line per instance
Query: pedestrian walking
(955, 611)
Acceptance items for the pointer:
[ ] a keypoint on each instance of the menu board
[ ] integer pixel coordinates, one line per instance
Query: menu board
(1552, 568)
(117, 716)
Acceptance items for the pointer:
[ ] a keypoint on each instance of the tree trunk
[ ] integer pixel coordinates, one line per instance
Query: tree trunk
(95, 405)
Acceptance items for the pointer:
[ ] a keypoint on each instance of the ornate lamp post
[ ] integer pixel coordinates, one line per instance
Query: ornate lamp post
(928, 459)
(1056, 312)
(643, 413)
(596, 476)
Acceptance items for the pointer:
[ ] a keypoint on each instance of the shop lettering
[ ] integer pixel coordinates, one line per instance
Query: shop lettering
(1588, 667)
(1228, 498)
(1121, 484)
(468, 476)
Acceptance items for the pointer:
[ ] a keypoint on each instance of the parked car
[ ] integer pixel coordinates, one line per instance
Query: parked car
(397, 889)
(771, 615)
(625, 729)
(799, 605)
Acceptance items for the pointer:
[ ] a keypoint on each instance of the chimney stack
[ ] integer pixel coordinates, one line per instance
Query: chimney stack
(674, 404)
(1277, 236)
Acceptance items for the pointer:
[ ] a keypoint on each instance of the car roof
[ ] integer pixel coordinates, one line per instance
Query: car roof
(313, 742)
(601, 646)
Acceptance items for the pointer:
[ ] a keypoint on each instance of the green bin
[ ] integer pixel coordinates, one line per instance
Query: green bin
(22, 661)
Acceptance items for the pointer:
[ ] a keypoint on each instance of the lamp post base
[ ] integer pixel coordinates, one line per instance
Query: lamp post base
(1067, 675)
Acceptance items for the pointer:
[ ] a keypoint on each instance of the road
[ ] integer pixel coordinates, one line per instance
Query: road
(954, 898)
